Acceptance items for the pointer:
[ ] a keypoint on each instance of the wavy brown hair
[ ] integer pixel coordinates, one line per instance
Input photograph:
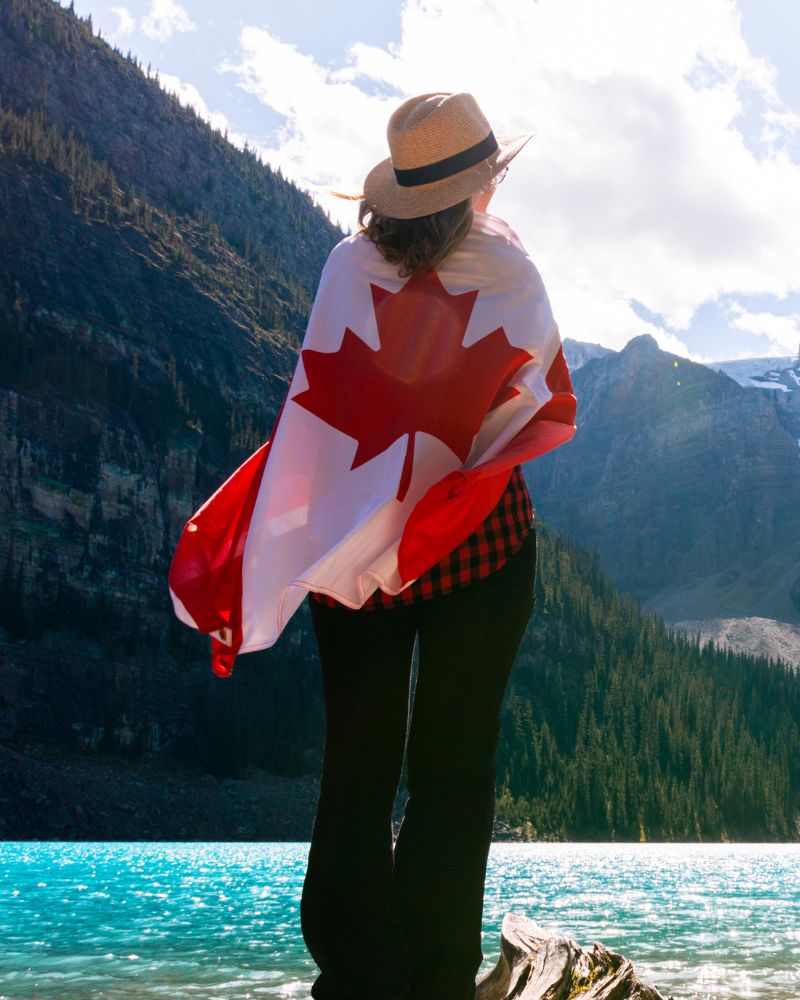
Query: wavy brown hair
(421, 242)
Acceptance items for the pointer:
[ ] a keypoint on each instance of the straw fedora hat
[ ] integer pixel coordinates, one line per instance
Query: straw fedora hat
(442, 151)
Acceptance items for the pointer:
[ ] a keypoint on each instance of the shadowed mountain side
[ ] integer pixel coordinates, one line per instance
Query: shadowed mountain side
(50, 60)
(685, 483)
(155, 284)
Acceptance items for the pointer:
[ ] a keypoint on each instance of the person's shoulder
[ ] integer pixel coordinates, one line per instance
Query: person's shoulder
(350, 255)
(495, 237)
(356, 260)
(350, 247)
(494, 226)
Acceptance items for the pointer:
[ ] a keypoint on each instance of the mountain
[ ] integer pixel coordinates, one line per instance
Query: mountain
(685, 483)
(762, 636)
(155, 283)
(782, 374)
(578, 352)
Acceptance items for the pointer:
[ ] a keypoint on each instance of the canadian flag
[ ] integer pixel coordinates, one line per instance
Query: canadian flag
(412, 400)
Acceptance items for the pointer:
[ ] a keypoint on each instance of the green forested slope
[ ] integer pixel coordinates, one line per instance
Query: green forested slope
(616, 729)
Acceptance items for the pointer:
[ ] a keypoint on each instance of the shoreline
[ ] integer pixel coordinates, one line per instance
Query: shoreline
(50, 791)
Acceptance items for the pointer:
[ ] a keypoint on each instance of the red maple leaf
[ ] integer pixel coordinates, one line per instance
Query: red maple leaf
(421, 378)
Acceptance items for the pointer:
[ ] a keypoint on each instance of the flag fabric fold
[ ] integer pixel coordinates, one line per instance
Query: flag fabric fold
(411, 402)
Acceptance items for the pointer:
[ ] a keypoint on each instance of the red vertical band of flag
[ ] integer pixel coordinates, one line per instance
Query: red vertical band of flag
(206, 569)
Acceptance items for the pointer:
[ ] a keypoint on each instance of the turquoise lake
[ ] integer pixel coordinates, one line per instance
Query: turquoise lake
(180, 920)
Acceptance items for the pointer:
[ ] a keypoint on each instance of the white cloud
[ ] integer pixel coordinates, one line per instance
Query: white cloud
(127, 23)
(165, 18)
(333, 132)
(190, 96)
(639, 182)
(783, 332)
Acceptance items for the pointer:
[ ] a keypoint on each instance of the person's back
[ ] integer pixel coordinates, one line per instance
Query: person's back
(488, 265)
(432, 342)
(391, 491)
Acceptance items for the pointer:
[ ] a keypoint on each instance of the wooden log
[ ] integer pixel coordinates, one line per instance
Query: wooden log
(536, 964)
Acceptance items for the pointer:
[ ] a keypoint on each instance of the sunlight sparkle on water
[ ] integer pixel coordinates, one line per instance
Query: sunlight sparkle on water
(201, 920)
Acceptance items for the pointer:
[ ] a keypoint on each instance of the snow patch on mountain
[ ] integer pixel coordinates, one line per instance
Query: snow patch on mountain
(782, 374)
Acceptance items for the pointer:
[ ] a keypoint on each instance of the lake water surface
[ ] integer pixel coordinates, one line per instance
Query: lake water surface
(207, 920)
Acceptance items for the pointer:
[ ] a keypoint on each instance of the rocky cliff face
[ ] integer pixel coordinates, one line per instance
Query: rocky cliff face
(686, 483)
(154, 286)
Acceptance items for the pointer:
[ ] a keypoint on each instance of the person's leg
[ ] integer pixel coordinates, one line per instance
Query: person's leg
(468, 643)
(345, 905)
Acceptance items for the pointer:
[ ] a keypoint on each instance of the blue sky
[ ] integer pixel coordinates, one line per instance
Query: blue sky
(661, 191)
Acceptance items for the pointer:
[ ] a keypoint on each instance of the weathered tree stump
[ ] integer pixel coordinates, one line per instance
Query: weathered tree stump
(536, 964)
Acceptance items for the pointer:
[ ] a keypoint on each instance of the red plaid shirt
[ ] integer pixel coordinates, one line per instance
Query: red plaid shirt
(492, 543)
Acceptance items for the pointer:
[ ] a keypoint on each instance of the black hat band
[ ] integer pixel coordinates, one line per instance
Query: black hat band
(449, 165)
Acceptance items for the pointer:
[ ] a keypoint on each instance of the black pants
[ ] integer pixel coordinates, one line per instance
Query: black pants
(386, 922)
